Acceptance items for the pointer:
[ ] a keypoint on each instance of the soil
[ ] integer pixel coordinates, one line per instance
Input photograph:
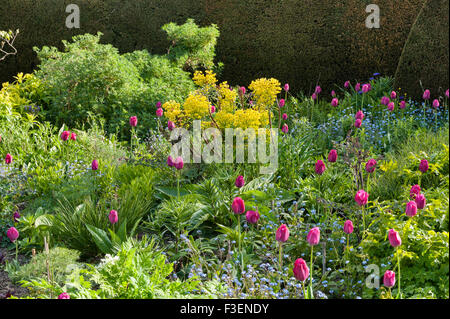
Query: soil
(7, 288)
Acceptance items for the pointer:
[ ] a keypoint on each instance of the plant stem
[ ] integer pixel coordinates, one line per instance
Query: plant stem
(399, 274)
(311, 268)
(17, 250)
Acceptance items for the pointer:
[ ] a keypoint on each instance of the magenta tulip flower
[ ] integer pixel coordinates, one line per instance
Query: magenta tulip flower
(358, 123)
(285, 128)
(170, 162)
(12, 234)
(286, 87)
(94, 165)
(16, 216)
(393, 95)
(414, 191)
(282, 234)
(347, 84)
(332, 156)
(394, 238)
(281, 103)
(64, 295)
(389, 279)
(133, 121)
(73, 136)
(113, 216)
(421, 201)
(391, 106)
(285, 116)
(159, 112)
(252, 217)
(402, 104)
(435, 103)
(426, 94)
(423, 166)
(313, 236)
(300, 270)
(239, 181)
(334, 102)
(361, 197)
(178, 163)
(371, 165)
(320, 167)
(8, 159)
(411, 209)
(238, 206)
(365, 88)
(65, 135)
(213, 109)
(359, 115)
(357, 87)
(170, 125)
(348, 227)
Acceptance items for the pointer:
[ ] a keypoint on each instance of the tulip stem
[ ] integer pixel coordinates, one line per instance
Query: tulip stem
(363, 218)
(280, 256)
(239, 242)
(178, 185)
(304, 291)
(17, 250)
(312, 269)
(399, 274)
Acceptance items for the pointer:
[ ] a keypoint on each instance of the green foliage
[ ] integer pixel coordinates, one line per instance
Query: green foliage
(192, 47)
(61, 263)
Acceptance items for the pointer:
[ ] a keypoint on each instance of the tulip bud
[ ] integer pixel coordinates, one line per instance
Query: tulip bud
(282, 234)
(333, 94)
(365, 88)
(242, 90)
(359, 115)
(371, 165)
(73, 136)
(348, 227)
(65, 135)
(158, 104)
(8, 159)
(285, 128)
(402, 104)
(411, 209)
(238, 206)
(239, 181)
(113, 217)
(320, 167)
(332, 156)
(334, 102)
(12, 234)
(394, 238)
(179, 163)
(358, 123)
(281, 103)
(64, 295)
(133, 121)
(435, 103)
(285, 116)
(357, 87)
(389, 279)
(318, 90)
(286, 87)
(313, 236)
(423, 166)
(301, 270)
(385, 100)
(314, 96)
(421, 201)
(170, 125)
(391, 106)
(159, 112)
(361, 197)
(94, 165)
(213, 109)
(170, 162)
(426, 94)
(252, 217)
(347, 84)
(393, 95)
(414, 191)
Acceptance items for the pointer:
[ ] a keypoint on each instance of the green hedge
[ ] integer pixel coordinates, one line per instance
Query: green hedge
(426, 54)
(297, 41)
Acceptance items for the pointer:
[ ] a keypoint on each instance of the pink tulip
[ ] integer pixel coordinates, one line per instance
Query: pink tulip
(73, 136)
(359, 115)
(334, 102)
(178, 163)
(286, 87)
(361, 197)
(65, 135)
(385, 100)
(389, 279)
(159, 112)
(318, 90)
(285, 116)
(113, 217)
(423, 166)
(301, 270)
(285, 128)
(394, 238)
(365, 88)
(252, 217)
(170, 125)
(239, 181)
(94, 165)
(371, 165)
(447, 94)
(348, 227)
(426, 94)
(391, 106)
(170, 162)
(435, 103)
(313, 236)
(133, 121)
(314, 96)
(414, 191)
(64, 295)
(282, 234)
(421, 201)
(358, 123)
(333, 94)
(320, 167)
(332, 156)
(242, 90)
(281, 103)
(347, 84)
(402, 104)
(357, 87)
(213, 109)
(411, 209)
(238, 206)
(393, 95)
(8, 159)
(12, 234)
